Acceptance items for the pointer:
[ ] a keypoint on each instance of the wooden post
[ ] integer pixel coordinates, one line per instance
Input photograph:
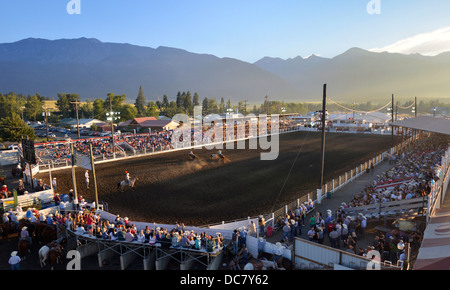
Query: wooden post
(324, 125)
(93, 174)
(74, 178)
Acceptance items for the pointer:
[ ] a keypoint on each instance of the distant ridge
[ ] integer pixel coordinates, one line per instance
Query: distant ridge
(93, 69)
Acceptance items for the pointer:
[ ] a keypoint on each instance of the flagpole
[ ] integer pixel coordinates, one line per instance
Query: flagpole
(95, 178)
(74, 179)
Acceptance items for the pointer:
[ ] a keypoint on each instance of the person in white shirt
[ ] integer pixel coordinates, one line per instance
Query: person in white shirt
(14, 261)
(363, 226)
(86, 175)
(141, 237)
(54, 184)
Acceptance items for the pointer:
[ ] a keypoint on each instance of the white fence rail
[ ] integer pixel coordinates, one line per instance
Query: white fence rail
(313, 256)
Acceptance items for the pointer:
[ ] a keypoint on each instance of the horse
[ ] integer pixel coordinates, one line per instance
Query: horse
(125, 183)
(50, 253)
(219, 157)
(23, 248)
(192, 157)
(45, 233)
(48, 234)
(16, 172)
(6, 229)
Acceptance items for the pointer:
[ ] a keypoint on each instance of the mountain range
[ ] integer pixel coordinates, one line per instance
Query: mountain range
(93, 69)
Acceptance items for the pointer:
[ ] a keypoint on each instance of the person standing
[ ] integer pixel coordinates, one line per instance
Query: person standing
(54, 184)
(14, 261)
(86, 176)
(235, 242)
(334, 235)
(252, 227)
(363, 226)
(262, 225)
(286, 231)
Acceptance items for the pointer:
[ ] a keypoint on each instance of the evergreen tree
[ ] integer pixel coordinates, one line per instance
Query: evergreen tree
(188, 106)
(165, 103)
(180, 100)
(196, 100)
(33, 108)
(205, 106)
(222, 105)
(140, 103)
(12, 128)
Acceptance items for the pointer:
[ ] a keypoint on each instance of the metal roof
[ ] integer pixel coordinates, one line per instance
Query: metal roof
(426, 123)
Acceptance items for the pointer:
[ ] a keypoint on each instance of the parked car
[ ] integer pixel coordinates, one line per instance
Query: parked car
(13, 147)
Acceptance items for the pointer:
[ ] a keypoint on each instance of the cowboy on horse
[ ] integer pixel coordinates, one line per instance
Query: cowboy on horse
(127, 182)
(220, 154)
(127, 177)
(192, 155)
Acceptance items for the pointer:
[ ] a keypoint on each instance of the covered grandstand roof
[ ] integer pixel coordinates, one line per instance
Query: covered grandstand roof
(434, 253)
(426, 123)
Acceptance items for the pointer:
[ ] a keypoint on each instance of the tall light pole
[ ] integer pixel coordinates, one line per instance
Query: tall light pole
(78, 122)
(414, 109)
(112, 116)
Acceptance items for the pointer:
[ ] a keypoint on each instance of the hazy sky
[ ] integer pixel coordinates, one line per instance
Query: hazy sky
(242, 29)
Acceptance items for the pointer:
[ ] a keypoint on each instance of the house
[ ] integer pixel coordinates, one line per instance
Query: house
(135, 123)
(104, 127)
(159, 125)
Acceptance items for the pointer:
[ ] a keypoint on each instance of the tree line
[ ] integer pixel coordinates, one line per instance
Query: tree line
(18, 108)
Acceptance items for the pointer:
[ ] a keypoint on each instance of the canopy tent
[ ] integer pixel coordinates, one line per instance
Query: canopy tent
(425, 123)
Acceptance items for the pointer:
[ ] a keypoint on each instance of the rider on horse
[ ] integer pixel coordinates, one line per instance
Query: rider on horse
(127, 177)
(192, 155)
(220, 154)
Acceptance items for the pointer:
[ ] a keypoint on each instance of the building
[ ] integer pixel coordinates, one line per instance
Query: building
(135, 123)
(159, 125)
(83, 123)
(148, 123)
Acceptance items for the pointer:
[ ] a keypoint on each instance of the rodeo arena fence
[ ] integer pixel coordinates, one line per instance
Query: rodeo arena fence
(303, 255)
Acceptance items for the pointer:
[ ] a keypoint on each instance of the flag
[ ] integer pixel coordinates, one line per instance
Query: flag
(82, 161)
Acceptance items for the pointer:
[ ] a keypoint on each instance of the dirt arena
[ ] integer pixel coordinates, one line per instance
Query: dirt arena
(170, 188)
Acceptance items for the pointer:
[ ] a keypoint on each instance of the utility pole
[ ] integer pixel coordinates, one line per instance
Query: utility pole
(93, 173)
(46, 121)
(74, 179)
(392, 112)
(324, 110)
(112, 127)
(396, 111)
(415, 107)
(78, 122)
